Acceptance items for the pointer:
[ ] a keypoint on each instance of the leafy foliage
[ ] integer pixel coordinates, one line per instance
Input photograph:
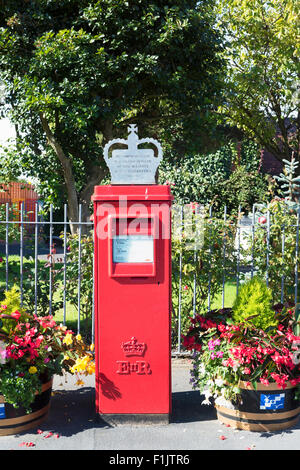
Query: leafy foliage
(289, 183)
(226, 353)
(271, 261)
(32, 347)
(262, 79)
(196, 178)
(76, 73)
(85, 275)
(12, 229)
(242, 189)
(222, 178)
(199, 255)
(254, 304)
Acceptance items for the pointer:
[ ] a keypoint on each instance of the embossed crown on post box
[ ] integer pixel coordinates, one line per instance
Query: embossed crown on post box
(133, 348)
(133, 165)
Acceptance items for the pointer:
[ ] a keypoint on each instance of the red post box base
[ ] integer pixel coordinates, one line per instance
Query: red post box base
(134, 419)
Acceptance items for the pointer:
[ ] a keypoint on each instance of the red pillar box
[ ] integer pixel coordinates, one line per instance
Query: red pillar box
(133, 303)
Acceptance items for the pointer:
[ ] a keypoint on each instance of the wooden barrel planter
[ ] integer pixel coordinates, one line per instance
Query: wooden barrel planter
(268, 408)
(16, 420)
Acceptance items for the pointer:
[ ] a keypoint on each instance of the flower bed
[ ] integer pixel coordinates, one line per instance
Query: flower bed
(227, 352)
(32, 347)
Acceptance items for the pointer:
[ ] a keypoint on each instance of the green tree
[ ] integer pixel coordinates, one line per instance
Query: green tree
(262, 82)
(77, 72)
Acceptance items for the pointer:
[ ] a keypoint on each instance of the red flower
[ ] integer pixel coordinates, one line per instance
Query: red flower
(264, 381)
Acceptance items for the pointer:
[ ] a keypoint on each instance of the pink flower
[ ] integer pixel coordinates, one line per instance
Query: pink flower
(295, 381)
(262, 220)
(16, 315)
(264, 381)
(280, 379)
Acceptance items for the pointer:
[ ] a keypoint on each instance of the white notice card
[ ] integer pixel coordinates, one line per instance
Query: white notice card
(133, 249)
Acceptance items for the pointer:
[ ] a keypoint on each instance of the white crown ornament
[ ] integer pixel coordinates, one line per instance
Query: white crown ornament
(133, 165)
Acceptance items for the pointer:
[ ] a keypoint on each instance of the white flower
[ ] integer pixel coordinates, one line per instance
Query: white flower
(207, 394)
(221, 401)
(205, 402)
(219, 382)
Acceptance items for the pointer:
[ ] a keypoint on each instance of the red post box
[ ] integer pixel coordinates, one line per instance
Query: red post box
(133, 303)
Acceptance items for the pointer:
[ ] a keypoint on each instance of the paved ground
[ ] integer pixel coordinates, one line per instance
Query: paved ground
(71, 425)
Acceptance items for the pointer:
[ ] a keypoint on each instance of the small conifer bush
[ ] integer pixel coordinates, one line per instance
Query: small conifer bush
(254, 304)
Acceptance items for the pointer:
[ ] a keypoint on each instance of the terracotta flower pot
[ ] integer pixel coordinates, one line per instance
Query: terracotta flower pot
(15, 420)
(269, 408)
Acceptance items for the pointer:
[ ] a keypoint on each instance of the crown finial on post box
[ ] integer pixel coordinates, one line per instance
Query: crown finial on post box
(133, 165)
(132, 128)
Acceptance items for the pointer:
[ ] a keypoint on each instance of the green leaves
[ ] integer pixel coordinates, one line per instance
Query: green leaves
(262, 70)
(91, 66)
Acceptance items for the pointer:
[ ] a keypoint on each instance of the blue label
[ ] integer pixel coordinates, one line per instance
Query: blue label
(2, 410)
(272, 402)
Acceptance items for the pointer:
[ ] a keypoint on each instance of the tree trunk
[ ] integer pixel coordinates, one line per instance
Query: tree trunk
(95, 176)
(68, 174)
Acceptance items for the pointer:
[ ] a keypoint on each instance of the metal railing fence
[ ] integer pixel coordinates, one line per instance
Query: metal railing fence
(36, 239)
(28, 243)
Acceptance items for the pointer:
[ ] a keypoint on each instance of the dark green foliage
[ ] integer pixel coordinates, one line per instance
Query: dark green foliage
(78, 72)
(209, 178)
(243, 189)
(197, 178)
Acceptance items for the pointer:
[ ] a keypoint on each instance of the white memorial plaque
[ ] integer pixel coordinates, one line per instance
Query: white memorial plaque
(133, 249)
(132, 165)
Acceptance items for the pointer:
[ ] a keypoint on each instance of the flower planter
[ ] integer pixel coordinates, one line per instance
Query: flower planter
(268, 408)
(16, 420)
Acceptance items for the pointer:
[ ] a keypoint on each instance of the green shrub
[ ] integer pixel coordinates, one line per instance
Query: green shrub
(254, 304)
(243, 188)
(210, 178)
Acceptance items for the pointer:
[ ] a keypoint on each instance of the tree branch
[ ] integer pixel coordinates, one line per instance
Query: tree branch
(67, 169)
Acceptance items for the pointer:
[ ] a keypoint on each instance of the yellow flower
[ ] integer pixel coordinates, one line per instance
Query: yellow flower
(32, 370)
(92, 347)
(91, 368)
(66, 357)
(78, 337)
(68, 339)
(79, 382)
(83, 365)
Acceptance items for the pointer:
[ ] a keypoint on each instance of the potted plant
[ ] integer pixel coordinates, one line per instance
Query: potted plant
(32, 350)
(247, 361)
